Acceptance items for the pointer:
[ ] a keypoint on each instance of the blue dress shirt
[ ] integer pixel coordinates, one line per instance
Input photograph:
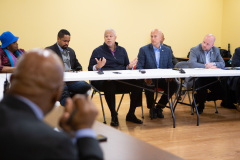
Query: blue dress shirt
(157, 55)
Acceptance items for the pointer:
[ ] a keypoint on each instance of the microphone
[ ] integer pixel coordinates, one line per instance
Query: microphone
(5, 86)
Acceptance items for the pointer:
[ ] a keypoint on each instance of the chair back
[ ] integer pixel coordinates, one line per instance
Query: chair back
(188, 83)
(183, 64)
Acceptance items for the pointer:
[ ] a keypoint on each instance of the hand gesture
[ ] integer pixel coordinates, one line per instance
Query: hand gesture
(101, 62)
(132, 63)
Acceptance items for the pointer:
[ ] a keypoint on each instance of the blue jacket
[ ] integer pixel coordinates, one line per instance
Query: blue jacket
(117, 62)
(147, 59)
(236, 58)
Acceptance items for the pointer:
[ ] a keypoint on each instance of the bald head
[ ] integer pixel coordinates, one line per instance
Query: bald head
(208, 42)
(39, 73)
(156, 38)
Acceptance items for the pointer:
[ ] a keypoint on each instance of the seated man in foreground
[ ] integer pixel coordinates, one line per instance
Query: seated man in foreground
(33, 93)
(206, 55)
(152, 56)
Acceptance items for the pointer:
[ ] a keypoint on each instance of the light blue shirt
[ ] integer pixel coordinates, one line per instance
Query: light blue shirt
(157, 55)
(36, 110)
(81, 133)
(60, 48)
(208, 55)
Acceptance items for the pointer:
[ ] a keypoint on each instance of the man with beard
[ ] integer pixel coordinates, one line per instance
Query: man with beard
(71, 63)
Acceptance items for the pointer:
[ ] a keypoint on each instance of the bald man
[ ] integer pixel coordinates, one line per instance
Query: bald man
(33, 93)
(206, 55)
(174, 60)
(153, 56)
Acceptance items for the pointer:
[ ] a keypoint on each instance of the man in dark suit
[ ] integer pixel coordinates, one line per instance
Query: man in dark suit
(36, 85)
(235, 81)
(111, 56)
(206, 55)
(174, 60)
(154, 56)
(71, 63)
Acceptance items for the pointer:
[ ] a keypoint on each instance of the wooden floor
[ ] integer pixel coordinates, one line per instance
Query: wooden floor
(217, 136)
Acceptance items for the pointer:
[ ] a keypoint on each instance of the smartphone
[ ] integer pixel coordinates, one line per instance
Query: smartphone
(117, 72)
(101, 138)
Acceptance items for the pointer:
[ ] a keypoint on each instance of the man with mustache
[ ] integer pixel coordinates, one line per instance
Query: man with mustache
(111, 56)
(36, 85)
(71, 63)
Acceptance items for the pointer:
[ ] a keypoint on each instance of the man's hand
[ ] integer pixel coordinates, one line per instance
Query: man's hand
(69, 70)
(148, 81)
(132, 63)
(100, 62)
(210, 66)
(84, 114)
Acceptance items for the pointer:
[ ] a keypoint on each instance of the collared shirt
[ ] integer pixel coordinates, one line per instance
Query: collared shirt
(81, 133)
(208, 55)
(113, 52)
(66, 58)
(157, 54)
(36, 110)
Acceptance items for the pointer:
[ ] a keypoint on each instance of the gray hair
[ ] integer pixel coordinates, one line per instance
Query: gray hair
(109, 29)
(157, 30)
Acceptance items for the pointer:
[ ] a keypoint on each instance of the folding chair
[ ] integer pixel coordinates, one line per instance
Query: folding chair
(101, 94)
(187, 85)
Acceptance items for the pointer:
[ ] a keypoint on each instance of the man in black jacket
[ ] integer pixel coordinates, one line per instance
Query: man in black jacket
(71, 63)
(33, 93)
(235, 81)
(111, 56)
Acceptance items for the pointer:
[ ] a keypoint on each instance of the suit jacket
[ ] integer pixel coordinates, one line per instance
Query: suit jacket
(23, 136)
(236, 58)
(147, 59)
(174, 60)
(234, 81)
(73, 59)
(197, 57)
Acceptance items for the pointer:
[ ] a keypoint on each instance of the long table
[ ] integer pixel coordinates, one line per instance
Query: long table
(121, 146)
(135, 74)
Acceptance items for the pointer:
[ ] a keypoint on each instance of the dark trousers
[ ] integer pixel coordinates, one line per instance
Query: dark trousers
(110, 88)
(202, 93)
(71, 88)
(162, 83)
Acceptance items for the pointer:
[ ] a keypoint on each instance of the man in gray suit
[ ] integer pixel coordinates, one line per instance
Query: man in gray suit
(152, 56)
(206, 55)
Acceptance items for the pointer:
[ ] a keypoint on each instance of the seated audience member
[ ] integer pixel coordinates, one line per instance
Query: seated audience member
(24, 134)
(111, 56)
(9, 52)
(206, 55)
(174, 60)
(235, 81)
(71, 63)
(152, 56)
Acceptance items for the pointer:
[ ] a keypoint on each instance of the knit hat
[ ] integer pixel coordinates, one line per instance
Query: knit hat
(7, 38)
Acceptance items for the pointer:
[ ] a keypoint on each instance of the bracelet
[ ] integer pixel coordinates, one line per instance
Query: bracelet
(98, 67)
